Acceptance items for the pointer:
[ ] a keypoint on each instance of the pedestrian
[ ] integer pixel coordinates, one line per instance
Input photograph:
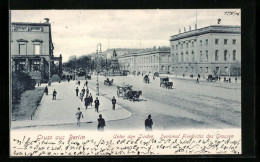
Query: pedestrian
(54, 95)
(197, 81)
(236, 79)
(153, 78)
(96, 104)
(199, 76)
(86, 83)
(101, 123)
(79, 83)
(148, 123)
(46, 90)
(83, 91)
(219, 78)
(79, 115)
(81, 96)
(87, 91)
(91, 99)
(77, 91)
(229, 80)
(86, 101)
(224, 79)
(113, 103)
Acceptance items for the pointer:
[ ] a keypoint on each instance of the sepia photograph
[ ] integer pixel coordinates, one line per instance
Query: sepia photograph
(102, 72)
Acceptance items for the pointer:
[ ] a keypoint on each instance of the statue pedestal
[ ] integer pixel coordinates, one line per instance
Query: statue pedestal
(114, 68)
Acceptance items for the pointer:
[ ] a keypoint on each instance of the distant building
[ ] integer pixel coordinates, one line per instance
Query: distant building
(32, 50)
(213, 50)
(147, 61)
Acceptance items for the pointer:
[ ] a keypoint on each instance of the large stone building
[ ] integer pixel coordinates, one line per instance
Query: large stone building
(157, 60)
(213, 50)
(32, 50)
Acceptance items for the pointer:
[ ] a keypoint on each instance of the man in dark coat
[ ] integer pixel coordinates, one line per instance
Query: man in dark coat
(54, 95)
(90, 99)
(83, 91)
(86, 102)
(77, 91)
(46, 90)
(113, 102)
(101, 123)
(148, 123)
(96, 104)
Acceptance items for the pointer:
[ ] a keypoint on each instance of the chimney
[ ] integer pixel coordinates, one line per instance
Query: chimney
(46, 20)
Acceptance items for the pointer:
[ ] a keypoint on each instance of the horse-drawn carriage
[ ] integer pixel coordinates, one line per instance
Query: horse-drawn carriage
(127, 92)
(211, 78)
(108, 82)
(88, 77)
(146, 79)
(164, 82)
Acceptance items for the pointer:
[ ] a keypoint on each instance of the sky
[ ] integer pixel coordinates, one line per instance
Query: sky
(77, 32)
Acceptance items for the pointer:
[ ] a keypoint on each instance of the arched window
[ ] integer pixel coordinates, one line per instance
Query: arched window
(216, 55)
(234, 55)
(225, 55)
(192, 56)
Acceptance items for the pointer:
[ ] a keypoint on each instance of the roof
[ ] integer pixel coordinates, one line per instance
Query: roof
(206, 30)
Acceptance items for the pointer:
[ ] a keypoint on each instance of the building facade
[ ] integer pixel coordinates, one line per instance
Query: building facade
(32, 50)
(146, 61)
(212, 50)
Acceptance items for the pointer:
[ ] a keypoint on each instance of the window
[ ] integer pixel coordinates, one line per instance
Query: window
(217, 70)
(192, 44)
(216, 55)
(181, 46)
(22, 49)
(200, 69)
(200, 42)
(226, 70)
(187, 45)
(186, 69)
(36, 49)
(200, 56)
(172, 69)
(181, 57)
(234, 55)
(172, 47)
(206, 42)
(234, 41)
(191, 69)
(172, 57)
(177, 57)
(206, 56)
(216, 41)
(176, 47)
(225, 55)
(225, 41)
(22, 65)
(207, 70)
(192, 56)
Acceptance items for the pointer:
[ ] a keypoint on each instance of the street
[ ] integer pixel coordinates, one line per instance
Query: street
(188, 105)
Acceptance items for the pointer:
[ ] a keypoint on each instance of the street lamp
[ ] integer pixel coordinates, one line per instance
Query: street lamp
(97, 69)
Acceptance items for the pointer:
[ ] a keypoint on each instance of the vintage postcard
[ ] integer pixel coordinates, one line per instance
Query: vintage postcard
(125, 82)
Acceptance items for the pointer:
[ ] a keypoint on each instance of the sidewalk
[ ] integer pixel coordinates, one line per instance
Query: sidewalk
(63, 110)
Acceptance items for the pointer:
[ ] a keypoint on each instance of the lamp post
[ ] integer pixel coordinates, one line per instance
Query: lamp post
(97, 68)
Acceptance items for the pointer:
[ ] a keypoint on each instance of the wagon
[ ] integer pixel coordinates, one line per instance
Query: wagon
(127, 92)
(164, 82)
(211, 78)
(108, 82)
(121, 90)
